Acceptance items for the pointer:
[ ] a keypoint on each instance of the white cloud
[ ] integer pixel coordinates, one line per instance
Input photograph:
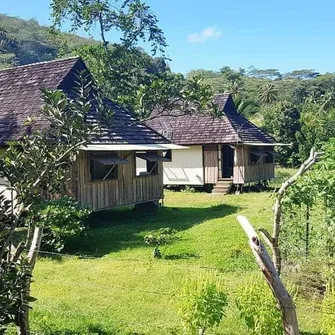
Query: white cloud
(204, 35)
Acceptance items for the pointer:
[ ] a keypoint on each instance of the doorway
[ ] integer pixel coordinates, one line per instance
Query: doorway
(227, 161)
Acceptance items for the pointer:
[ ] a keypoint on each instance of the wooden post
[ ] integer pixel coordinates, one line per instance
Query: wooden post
(23, 319)
(285, 301)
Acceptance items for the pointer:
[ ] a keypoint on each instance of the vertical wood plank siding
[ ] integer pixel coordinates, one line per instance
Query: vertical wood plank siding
(211, 160)
(240, 161)
(245, 172)
(127, 190)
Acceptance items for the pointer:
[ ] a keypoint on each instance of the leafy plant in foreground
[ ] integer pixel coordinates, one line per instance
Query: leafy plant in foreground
(60, 218)
(202, 302)
(257, 307)
(328, 308)
(36, 167)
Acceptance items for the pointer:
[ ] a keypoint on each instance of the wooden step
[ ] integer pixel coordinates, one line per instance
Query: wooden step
(222, 186)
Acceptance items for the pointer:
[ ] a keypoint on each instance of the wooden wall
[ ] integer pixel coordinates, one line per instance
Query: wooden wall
(244, 172)
(127, 190)
(211, 161)
(240, 160)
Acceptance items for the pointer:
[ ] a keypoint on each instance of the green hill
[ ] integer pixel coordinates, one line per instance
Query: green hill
(26, 41)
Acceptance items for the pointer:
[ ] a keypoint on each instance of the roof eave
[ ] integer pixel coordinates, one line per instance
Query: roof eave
(264, 144)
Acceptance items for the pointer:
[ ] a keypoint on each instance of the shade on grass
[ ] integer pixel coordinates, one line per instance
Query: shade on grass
(121, 289)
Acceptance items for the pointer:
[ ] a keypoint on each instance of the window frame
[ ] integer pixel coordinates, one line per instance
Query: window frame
(111, 167)
(152, 167)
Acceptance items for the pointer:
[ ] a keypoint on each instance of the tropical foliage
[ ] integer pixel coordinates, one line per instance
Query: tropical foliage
(257, 307)
(60, 218)
(37, 167)
(202, 303)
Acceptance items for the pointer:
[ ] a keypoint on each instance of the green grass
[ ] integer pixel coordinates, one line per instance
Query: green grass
(123, 290)
(282, 174)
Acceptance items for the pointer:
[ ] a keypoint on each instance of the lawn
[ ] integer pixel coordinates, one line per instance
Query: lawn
(108, 283)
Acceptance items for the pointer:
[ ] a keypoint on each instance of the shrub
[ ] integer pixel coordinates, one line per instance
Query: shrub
(328, 308)
(160, 237)
(202, 302)
(60, 218)
(257, 307)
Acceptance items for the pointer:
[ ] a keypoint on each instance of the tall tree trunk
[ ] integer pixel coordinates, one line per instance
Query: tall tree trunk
(285, 301)
(23, 318)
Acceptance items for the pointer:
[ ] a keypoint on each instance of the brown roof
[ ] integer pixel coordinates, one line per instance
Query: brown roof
(194, 129)
(20, 98)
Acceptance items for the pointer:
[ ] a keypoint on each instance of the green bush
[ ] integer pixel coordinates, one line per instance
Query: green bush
(202, 302)
(328, 308)
(160, 237)
(60, 218)
(257, 307)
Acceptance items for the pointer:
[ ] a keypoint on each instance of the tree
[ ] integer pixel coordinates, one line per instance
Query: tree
(302, 74)
(129, 77)
(37, 167)
(7, 50)
(317, 122)
(133, 19)
(173, 93)
(121, 71)
(246, 107)
(283, 121)
(309, 212)
(270, 74)
(268, 93)
(273, 240)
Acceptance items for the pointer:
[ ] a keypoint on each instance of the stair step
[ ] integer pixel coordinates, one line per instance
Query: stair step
(222, 187)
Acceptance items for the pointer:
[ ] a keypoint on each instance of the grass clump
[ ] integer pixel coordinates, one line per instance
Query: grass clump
(203, 301)
(257, 307)
(328, 308)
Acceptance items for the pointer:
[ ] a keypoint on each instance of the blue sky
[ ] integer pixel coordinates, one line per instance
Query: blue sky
(284, 35)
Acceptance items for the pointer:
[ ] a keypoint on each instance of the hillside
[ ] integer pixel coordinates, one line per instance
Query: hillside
(26, 41)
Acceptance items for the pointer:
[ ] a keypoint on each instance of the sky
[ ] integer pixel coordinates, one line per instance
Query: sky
(284, 35)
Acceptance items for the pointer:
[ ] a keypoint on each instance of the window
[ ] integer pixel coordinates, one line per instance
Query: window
(105, 166)
(147, 163)
(168, 155)
(253, 159)
(256, 156)
(269, 158)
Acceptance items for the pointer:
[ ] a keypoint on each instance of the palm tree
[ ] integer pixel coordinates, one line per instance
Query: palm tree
(246, 107)
(235, 88)
(250, 109)
(268, 93)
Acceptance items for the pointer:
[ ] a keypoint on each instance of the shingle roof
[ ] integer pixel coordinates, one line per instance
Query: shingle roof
(20, 98)
(197, 129)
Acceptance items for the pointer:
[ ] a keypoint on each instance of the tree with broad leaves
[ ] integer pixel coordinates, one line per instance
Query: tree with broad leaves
(124, 71)
(37, 167)
(174, 93)
(132, 18)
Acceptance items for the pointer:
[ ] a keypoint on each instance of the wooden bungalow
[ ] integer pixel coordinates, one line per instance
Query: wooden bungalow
(222, 151)
(104, 174)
